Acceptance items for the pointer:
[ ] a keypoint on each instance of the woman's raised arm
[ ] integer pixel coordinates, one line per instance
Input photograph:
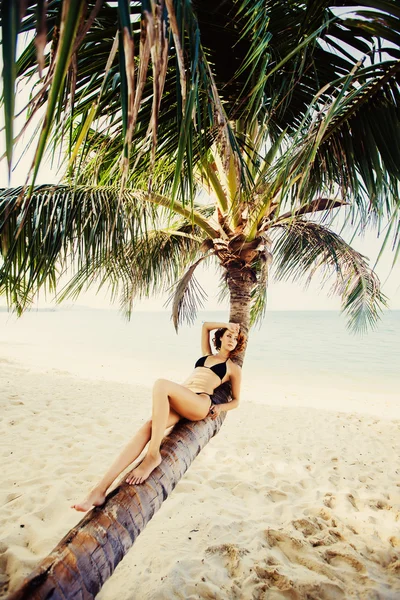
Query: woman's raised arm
(210, 326)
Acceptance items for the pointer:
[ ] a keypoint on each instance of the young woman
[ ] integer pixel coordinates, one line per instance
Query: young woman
(172, 401)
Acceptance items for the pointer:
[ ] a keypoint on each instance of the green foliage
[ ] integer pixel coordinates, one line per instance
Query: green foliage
(278, 109)
(130, 244)
(10, 10)
(304, 248)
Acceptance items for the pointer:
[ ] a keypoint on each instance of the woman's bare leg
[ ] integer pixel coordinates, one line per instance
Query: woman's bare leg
(168, 395)
(131, 451)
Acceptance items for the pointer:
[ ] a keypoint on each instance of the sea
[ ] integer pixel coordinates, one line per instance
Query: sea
(294, 354)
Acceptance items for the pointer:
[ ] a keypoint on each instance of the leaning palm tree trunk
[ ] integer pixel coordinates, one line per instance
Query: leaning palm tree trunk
(87, 556)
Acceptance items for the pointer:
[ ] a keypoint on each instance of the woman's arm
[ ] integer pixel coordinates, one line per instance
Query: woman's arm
(235, 379)
(210, 326)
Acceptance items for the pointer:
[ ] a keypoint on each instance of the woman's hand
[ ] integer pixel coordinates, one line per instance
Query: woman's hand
(214, 411)
(234, 327)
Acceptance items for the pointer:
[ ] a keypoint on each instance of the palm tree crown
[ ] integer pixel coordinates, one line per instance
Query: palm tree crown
(281, 111)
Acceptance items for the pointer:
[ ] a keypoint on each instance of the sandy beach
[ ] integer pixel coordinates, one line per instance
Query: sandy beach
(200, 194)
(285, 502)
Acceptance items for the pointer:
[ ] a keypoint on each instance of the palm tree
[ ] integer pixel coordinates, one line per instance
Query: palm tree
(282, 112)
(276, 128)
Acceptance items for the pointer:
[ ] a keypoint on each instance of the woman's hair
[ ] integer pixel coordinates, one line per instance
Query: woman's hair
(240, 341)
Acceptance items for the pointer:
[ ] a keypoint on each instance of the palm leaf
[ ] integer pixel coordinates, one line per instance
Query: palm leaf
(304, 247)
(259, 293)
(10, 21)
(288, 30)
(349, 149)
(57, 226)
(319, 204)
(70, 18)
(187, 297)
(136, 115)
(86, 228)
(261, 83)
(148, 265)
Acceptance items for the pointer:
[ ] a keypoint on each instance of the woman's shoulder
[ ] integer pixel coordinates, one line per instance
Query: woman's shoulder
(234, 367)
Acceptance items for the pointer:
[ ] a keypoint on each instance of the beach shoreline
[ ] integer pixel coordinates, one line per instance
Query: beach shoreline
(285, 502)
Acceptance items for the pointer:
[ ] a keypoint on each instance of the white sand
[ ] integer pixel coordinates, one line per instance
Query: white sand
(286, 502)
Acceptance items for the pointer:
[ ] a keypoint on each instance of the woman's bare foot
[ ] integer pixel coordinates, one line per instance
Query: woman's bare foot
(141, 472)
(131, 476)
(95, 498)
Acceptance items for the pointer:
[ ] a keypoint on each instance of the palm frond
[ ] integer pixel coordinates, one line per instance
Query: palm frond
(271, 57)
(223, 289)
(303, 248)
(61, 226)
(142, 100)
(304, 49)
(147, 266)
(298, 101)
(317, 205)
(10, 23)
(187, 297)
(361, 143)
(259, 292)
(349, 149)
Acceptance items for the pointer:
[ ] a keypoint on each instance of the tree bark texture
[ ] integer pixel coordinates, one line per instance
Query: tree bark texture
(241, 283)
(87, 556)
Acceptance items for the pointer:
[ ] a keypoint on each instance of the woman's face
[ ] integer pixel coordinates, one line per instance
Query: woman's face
(229, 340)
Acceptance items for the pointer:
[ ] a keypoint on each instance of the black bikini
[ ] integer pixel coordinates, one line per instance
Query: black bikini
(219, 369)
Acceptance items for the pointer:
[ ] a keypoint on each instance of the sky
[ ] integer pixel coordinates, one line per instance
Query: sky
(281, 296)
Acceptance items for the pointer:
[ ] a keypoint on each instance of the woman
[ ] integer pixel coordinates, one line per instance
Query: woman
(171, 402)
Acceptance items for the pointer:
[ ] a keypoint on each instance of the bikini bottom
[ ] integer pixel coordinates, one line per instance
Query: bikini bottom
(209, 395)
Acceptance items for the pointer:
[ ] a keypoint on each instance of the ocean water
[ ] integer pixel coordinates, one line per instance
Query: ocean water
(291, 351)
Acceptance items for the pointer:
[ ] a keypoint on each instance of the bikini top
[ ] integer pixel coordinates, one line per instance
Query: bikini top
(219, 369)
